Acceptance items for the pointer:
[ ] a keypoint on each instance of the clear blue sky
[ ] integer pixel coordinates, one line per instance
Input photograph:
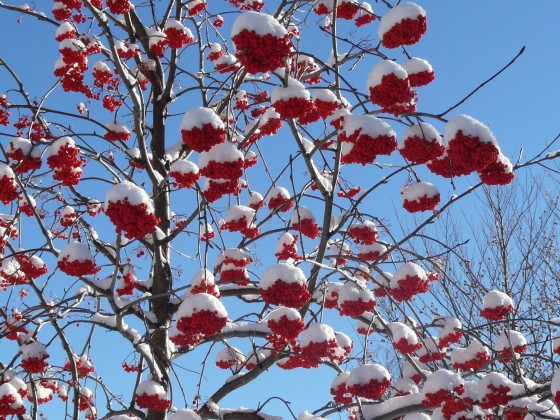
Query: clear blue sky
(467, 41)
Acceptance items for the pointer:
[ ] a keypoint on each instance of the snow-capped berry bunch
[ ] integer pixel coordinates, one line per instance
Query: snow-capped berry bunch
(184, 173)
(291, 101)
(365, 137)
(116, 131)
(470, 144)
(381, 284)
(85, 400)
(230, 358)
(389, 87)
(261, 42)
(240, 219)
(256, 200)
(339, 391)
(354, 298)
(131, 210)
(196, 6)
(328, 294)
(11, 273)
(22, 153)
(287, 247)
(62, 158)
(102, 74)
(32, 265)
(369, 381)
(507, 341)
(431, 350)
(119, 7)
(34, 357)
(206, 232)
(203, 281)
(214, 189)
(450, 332)
(420, 72)
(10, 401)
(202, 128)
(496, 306)
(420, 196)
(284, 284)
(325, 102)
(27, 205)
(76, 259)
(285, 323)
(128, 282)
(199, 316)
(303, 220)
(421, 143)
(279, 198)
(373, 252)
(67, 216)
(409, 280)
(177, 34)
(474, 356)
(94, 207)
(499, 172)
(232, 264)
(151, 395)
(404, 338)
(317, 341)
(496, 389)
(363, 233)
(8, 186)
(222, 161)
(157, 42)
(441, 386)
(404, 24)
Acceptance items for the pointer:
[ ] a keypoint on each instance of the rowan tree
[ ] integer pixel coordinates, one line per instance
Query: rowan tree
(192, 179)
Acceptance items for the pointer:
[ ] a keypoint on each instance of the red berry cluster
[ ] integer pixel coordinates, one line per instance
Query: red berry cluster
(289, 250)
(433, 356)
(452, 406)
(61, 13)
(436, 399)
(498, 313)
(372, 255)
(67, 219)
(177, 38)
(243, 226)
(197, 8)
(223, 170)
(408, 288)
(496, 396)
(310, 116)
(420, 150)
(85, 401)
(314, 351)
(404, 347)
(152, 402)
(286, 328)
(496, 173)
(101, 77)
(356, 308)
(8, 189)
(202, 139)
(119, 7)
(203, 287)
(66, 165)
(203, 322)
(4, 113)
(515, 413)
(363, 234)
(451, 338)
(406, 32)
(325, 108)
(292, 295)
(292, 107)
(447, 168)
(35, 364)
(24, 208)
(423, 203)
(471, 153)
(341, 394)
(78, 268)
(281, 203)
(260, 54)
(506, 355)
(111, 102)
(480, 360)
(184, 180)
(307, 227)
(421, 78)
(394, 95)
(364, 19)
(347, 10)
(372, 390)
(351, 193)
(133, 220)
(216, 190)
(366, 148)
(237, 276)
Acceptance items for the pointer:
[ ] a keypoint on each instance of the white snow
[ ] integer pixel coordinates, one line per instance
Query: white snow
(261, 23)
(185, 414)
(417, 190)
(364, 373)
(367, 125)
(354, 291)
(295, 89)
(184, 166)
(278, 192)
(223, 152)
(301, 213)
(424, 131)
(503, 341)
(442, 379)
(417, 65)
(470, 127)
(407, 269)
(76, 251)
(316, 332)
(54, 148)
(400, 331)
(197, 117)
(290, 313)
(150, 387)
(494, 299)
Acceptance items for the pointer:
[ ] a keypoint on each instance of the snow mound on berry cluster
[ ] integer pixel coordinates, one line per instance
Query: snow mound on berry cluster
(132, 192)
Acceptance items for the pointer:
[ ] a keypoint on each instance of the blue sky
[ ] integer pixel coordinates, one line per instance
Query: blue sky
(467, 42)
